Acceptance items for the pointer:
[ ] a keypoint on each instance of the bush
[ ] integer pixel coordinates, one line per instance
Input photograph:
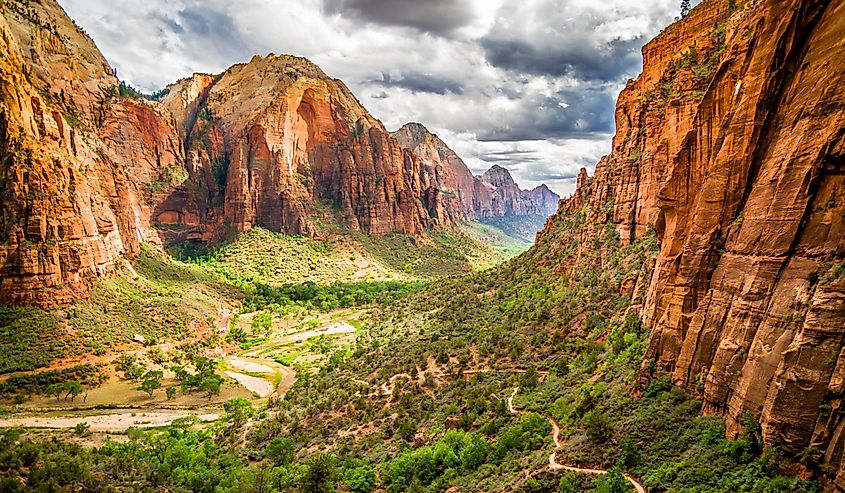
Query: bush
(238, 411)
(361, 479)
(597, 425)
(281, 451)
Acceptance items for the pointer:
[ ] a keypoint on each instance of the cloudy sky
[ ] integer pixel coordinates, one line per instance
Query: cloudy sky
(527, 84)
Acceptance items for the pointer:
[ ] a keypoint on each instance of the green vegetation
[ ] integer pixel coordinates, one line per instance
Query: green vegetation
(262, 256)
(202, 379)
(509, 246)
(151, 382)
(416, 400)
(127, 91)
(159, 298)
(65, 390)
(20, 386)
(170, 176)
(523, 228)
(285, 299)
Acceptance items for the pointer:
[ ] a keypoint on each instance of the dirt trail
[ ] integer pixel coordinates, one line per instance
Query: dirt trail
(555, 466)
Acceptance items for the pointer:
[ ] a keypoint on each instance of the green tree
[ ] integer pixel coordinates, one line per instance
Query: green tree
(281, 451)
(752, 432)
(236, 334)
(171, 392)
(128, 364)
(568, 484)
(238, 411)
(612, 482)
(180, 372)
(319, 475)
(151, 382)
(474, 452)
(598, 425)
(72, 389)
(56, 390)
(360, 479)
(629, 453)
(211, 385)
(530, 378)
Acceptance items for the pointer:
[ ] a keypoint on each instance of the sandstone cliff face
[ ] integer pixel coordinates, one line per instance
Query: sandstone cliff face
(730, 147)
(494, 194)
(88, 175)
(65, 208)
(299, 139)
(461, 192)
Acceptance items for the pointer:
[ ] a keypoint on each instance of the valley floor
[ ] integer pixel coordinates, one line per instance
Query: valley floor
(381, 385)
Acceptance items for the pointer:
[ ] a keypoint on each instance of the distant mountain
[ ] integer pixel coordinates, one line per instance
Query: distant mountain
(493, 194)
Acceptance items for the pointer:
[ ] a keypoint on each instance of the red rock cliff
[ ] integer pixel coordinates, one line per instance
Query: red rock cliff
(90, 172)
(269, 139)
(66, 209)
(731, 146)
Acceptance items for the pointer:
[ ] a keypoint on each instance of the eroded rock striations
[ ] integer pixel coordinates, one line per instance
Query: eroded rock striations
(731, 147)
(299, 137)
(66, 209)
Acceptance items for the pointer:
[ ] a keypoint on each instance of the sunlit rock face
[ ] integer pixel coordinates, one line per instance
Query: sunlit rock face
(730, 145)
(89, 174)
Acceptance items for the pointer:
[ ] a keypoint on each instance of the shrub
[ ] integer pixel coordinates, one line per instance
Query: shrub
(597, 425)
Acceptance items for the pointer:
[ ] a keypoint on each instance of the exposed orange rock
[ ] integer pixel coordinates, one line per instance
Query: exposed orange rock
(65, 210)
(298, 139)
(738, 167)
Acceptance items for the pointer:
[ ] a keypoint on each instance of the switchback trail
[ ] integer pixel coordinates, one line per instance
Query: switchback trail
(554, 465)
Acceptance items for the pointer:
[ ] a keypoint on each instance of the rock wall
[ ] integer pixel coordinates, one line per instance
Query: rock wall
(65, 208)
(730, 147)
(301, 140)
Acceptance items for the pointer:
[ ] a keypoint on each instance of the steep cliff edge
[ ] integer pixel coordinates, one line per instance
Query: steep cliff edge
(66, 210)
(730, 146)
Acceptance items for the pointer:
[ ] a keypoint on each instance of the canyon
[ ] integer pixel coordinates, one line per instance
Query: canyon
(728, 154)
(92, 170)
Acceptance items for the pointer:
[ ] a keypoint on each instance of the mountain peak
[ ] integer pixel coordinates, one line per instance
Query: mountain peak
(412, 134)
(498, 176)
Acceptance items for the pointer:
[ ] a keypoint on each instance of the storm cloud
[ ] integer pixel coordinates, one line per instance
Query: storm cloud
(560, 115)
(416, 82)
(432, 16)
(615, 59)
(526, 84)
